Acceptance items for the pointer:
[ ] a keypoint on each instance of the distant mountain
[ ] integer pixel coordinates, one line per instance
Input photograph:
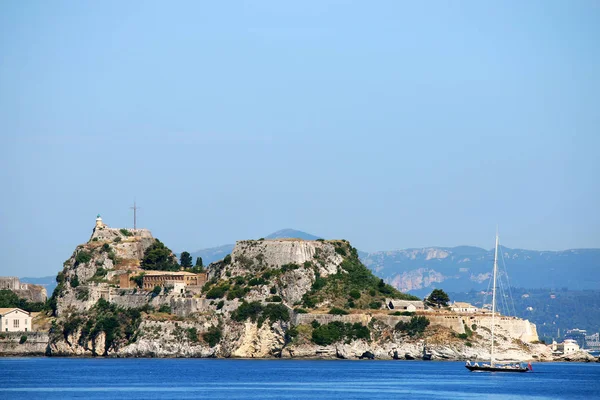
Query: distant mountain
(217, 253)
(292, 234)
(211, 254)
(460, 269)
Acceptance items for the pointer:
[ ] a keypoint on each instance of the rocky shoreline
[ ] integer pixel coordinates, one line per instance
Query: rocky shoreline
(269, 299)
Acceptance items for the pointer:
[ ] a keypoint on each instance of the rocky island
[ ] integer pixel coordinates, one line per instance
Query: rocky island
(123, 294)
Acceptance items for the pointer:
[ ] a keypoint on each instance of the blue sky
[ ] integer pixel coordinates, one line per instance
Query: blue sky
(390, 124)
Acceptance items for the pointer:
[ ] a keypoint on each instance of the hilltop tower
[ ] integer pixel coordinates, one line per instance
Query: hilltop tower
(99, 223)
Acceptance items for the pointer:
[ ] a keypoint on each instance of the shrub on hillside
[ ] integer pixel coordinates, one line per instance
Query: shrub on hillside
(416, 325)
(83, 257)
(213, 335)
(164, 308)
(336, 331)
(159, 257)
(217, 292)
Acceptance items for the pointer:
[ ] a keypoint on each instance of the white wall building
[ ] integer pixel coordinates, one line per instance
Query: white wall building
(14, 320)
(405, 305)
(461, 307)
(568, 346)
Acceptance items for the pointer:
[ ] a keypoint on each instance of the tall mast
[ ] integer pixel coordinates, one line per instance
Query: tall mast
(494, 297)
(134, 208)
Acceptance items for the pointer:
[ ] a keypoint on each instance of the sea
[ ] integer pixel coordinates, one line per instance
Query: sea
(135, 378)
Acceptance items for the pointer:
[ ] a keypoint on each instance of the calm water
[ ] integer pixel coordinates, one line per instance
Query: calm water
(59, 378)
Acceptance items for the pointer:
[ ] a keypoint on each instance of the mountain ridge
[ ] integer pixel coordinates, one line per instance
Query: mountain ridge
(463, 268)
(394, 266)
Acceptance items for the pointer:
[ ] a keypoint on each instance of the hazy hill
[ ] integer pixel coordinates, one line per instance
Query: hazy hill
(293, 234)
(464, 268)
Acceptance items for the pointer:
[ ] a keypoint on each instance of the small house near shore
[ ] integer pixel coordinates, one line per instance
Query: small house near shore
(15, 320)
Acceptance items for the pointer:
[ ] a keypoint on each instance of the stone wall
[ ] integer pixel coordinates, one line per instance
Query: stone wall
(511, 326)
(306, 319)
(10, 283)
(36, 344)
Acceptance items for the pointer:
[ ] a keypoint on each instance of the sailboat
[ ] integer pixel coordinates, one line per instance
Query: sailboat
(493, 366)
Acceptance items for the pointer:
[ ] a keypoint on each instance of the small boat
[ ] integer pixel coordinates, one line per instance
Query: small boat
(497, 367)
(493, 366)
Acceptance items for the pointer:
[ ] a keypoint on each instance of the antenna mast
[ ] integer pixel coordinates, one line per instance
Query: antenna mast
(134, 208)
(494, 296)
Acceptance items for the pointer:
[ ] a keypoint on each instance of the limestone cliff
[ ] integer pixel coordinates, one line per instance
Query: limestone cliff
(94, 266)
(268, 298)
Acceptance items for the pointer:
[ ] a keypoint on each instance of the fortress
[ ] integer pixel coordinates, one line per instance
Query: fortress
(27, 291)
(12, 283)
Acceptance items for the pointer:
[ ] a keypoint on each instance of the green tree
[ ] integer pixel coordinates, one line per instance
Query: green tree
(416, 326)
(438, 298)
(213, 335)
(138, 279)
(199, 262)
(159, 257)
(186, 260)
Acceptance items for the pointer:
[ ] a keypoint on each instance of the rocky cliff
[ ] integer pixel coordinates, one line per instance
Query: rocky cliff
(269, 298)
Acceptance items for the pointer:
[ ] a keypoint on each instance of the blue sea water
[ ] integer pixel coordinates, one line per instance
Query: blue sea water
(65, 378)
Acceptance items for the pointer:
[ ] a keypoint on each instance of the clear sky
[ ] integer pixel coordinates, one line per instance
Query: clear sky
(391, 124)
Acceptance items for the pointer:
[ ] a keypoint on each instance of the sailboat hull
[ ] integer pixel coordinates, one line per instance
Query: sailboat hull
(476, 368)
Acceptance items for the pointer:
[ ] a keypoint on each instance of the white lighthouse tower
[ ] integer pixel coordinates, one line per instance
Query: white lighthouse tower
(99, 223)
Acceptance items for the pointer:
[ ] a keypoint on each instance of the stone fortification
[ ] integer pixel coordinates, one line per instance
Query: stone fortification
(94, 266)
(509, 326)
(27, 291)
(10, 283)
(35, 344)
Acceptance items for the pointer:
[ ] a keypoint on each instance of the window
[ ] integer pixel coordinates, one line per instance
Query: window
(15, 323)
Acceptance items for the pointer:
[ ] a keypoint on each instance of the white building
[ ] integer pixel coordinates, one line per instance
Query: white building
(461, 307)
(405, 305)
(14, 320)
(568, 346)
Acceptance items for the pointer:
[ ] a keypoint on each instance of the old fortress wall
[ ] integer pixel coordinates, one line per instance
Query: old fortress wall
(512, 326)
